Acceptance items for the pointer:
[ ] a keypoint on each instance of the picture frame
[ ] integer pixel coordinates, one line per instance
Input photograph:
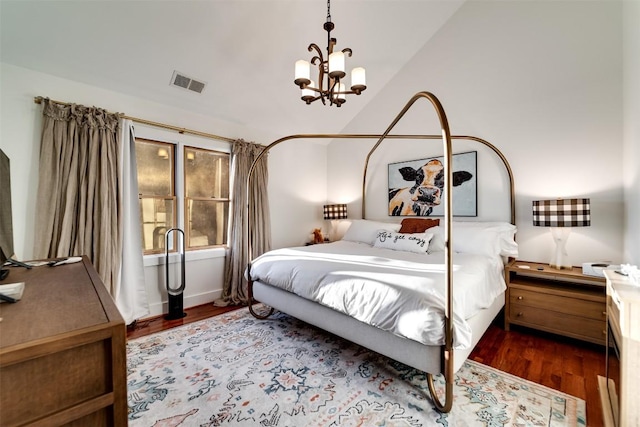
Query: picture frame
(416, 186)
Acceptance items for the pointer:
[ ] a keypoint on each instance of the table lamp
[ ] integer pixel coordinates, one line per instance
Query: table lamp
(560, 215)
(334, 213)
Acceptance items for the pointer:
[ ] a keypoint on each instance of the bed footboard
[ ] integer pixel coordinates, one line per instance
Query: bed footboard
(412, 353)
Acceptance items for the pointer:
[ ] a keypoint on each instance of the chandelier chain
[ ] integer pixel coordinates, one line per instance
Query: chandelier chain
(328, 10)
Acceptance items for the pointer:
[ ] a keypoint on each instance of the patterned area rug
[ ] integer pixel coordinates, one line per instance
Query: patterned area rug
(236, 370)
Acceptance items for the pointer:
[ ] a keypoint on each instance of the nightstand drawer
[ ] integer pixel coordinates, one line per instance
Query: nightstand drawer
(558, 303)
(557, 322)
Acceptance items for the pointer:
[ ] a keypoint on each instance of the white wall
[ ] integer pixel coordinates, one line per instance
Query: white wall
(540, 80)
(491, 175)
(631, 11)
(297, 193)
(299, 181)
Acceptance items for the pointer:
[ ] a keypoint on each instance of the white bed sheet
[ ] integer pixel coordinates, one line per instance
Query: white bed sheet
(399, 292)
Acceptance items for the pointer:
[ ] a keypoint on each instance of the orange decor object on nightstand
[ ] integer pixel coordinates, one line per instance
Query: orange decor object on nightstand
(317, 236)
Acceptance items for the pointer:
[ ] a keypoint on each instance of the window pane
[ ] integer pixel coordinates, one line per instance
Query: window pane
(206, 173)
(157, 216)
(155, 168)
(207, 224)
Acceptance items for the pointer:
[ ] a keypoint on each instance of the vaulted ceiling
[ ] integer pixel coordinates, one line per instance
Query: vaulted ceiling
(244, 50)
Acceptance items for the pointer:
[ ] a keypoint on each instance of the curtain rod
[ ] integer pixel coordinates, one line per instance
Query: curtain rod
(38, 100)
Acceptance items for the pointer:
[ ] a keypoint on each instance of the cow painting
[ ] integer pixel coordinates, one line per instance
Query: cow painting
(424, 187)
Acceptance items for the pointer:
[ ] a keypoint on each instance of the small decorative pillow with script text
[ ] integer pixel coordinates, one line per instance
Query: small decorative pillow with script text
(414, 242)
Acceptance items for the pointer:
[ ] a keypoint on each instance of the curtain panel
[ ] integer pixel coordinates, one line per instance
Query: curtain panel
(237, 258)
(79, 198)
(129, 291)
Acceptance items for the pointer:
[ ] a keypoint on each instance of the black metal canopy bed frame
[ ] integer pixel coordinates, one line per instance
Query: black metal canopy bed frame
(431, 359)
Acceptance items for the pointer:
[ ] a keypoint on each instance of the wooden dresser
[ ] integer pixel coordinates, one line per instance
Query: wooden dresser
(62, 350)
(619, 392)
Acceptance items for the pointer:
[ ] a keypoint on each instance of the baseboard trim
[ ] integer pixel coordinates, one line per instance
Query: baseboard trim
(158, 309)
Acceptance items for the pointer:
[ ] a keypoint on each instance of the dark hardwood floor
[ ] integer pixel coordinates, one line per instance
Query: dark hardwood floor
(159, 323)
(564, 364)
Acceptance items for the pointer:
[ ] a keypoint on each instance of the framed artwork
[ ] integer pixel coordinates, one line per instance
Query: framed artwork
(416, 186)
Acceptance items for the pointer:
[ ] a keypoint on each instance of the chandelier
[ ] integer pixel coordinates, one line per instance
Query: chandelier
(330, 72)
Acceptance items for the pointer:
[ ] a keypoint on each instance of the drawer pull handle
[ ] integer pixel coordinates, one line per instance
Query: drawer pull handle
(519, 297)
(604, 332)
(520, 314)
(604, 313)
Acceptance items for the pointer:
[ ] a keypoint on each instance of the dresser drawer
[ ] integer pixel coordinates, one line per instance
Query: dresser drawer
(593, 330)
(613, 306)
(563, 304)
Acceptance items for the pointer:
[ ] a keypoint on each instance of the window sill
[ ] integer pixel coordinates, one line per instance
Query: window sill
(159, 259)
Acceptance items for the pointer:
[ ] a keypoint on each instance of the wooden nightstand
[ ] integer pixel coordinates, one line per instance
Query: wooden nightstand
(314, 243)
(564, 302)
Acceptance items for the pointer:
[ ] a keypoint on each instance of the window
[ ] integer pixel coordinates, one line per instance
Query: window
(156, 188)
(177, 178)
(206, 179)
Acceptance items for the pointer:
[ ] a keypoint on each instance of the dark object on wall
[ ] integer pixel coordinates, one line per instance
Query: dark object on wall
(6, 224)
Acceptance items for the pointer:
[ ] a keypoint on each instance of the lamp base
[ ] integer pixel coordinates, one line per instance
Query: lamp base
(560, 267)
(333, 230)
(560, 260)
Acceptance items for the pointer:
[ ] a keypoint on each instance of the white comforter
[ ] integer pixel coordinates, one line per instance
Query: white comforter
(400, 292)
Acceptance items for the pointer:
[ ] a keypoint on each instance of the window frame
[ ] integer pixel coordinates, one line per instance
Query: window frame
(179, 187)
(174, 198)
(185, 199)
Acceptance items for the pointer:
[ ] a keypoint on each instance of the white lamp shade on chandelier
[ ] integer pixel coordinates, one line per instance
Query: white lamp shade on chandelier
(308, 92)
(303, 70)
(358, 78)
(336, 65)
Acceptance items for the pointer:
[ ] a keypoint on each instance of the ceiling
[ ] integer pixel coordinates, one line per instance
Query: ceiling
(244, 50)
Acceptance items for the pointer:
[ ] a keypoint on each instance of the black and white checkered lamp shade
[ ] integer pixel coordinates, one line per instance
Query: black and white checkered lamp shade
(562, 213)
(335, 211)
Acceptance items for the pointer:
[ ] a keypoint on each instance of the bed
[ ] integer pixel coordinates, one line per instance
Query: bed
(416, 297)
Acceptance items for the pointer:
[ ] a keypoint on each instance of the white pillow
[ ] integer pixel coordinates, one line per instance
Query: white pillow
(366, 231)
(409, 242)
(504, 233)
(437, 241)
(474, 240)
(484, 238)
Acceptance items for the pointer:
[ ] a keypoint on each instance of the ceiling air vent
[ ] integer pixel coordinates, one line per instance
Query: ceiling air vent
(180, 80)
